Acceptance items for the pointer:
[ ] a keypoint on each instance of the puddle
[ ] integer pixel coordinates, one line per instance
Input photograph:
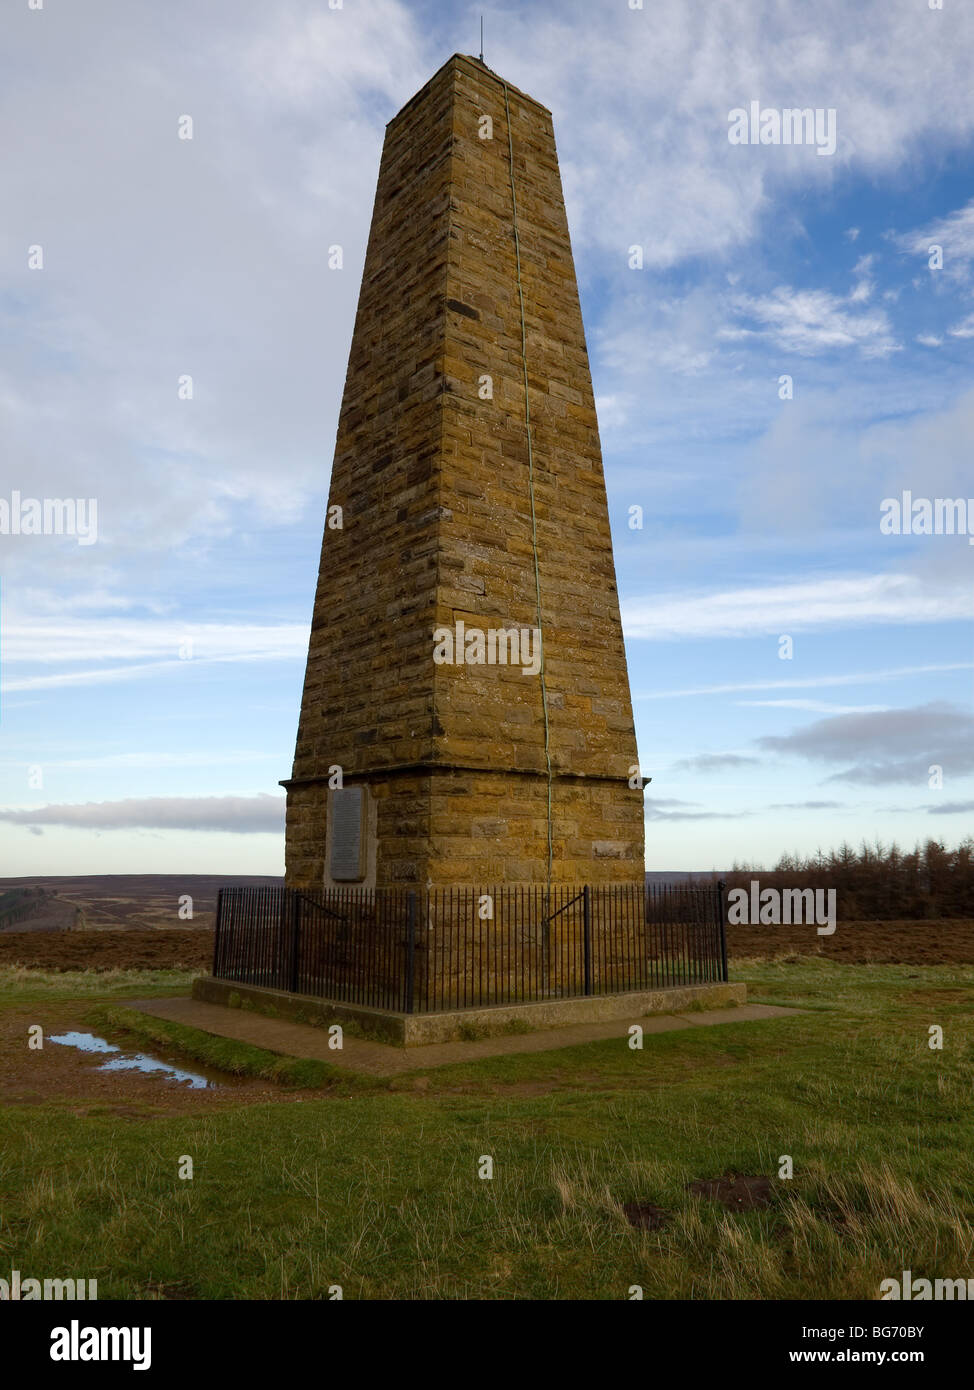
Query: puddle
(152, 1064)
(87, 1042)
(84, 1042)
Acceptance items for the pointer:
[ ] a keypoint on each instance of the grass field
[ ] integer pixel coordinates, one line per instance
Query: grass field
(374, 1186)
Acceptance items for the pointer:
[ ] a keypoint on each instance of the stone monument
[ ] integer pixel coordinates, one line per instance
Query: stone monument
(466, 716)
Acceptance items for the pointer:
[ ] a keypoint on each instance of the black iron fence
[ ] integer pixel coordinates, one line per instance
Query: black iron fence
(415, 951)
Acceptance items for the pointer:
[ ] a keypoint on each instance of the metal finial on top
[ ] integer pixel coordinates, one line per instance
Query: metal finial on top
(481, 38)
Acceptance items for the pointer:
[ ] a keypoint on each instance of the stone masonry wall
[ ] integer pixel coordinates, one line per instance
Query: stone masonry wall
(432, 474)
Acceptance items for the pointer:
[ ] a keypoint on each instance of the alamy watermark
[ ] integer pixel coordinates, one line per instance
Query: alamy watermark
(771, 125)
(782, 907)
(907, 515)
(495, 646)
(77, 1343)
(50, 516)
(921, 1290)
(16, 1288)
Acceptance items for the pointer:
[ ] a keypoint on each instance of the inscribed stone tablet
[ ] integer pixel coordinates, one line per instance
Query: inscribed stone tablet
(347, 834)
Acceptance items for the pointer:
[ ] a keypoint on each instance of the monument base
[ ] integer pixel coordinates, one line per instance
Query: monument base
(416, 1030)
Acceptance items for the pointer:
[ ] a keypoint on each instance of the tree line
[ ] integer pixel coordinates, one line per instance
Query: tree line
(879, 881)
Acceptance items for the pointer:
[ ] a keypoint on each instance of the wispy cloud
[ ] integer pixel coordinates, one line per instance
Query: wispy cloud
(807, 806)
(814, 706)
(963, 329)
(806, 682)
(245, 815)
(106, 639)
(855, 601)
(672, 809)
(85, 642)
(814, 321)
(953, 233)
(715, 762)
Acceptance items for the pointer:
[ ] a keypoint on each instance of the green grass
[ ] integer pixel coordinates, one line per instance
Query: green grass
(375, 1187)
(18, 984)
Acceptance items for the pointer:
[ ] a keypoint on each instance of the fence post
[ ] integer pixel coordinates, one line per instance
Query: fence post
(587, 937)
(410, 947)
(216, 929)
(722, 924)
(295, 937)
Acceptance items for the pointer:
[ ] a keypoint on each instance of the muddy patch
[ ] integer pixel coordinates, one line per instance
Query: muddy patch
(738, 1191)
(67, 1076)
(645, 1216)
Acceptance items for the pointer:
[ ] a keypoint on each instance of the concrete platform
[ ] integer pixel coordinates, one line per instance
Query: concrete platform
(381, 1059)
(420, 1030)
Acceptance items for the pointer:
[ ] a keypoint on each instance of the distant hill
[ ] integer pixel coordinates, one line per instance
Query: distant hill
(32, 908)
(103, 901)
(684, 875)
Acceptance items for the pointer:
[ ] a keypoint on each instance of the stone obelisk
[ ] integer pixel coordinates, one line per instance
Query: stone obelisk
(466, 716)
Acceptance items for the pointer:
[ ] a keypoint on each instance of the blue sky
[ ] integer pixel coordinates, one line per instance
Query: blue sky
(150, 681)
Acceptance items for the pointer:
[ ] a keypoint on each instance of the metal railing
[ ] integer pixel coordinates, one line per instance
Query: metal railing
(413, 951)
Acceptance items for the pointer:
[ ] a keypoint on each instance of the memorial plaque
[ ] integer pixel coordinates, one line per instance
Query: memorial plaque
(348, 828)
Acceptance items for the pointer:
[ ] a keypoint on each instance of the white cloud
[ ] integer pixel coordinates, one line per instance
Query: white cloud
(963, 329)
(671, 809)
(137, 648)
(815, 321)
(863, 290)
(897, 80)
(954, 233)
(205, 257)
(107, 639)
(855, 601)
